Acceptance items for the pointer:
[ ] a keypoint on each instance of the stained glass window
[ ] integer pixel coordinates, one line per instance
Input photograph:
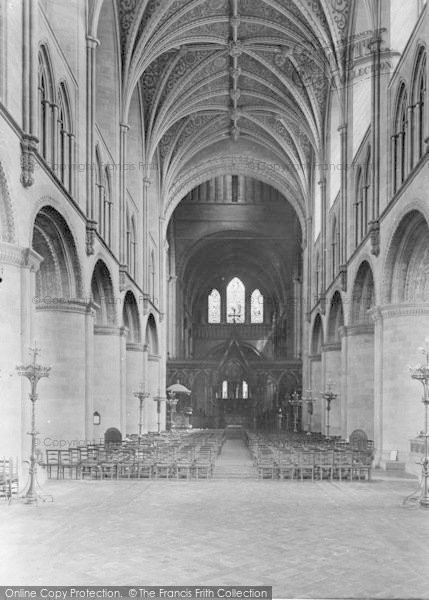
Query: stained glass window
(235, 301)
(257, 307)
(245, 390)
(214, 307)
(224, 389)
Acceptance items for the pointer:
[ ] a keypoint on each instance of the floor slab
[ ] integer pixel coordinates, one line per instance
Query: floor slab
(307, 540)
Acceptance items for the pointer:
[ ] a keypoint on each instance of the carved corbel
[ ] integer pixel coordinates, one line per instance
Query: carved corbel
(343, 277)
(28, 149)
(375, 237)
(91, 228)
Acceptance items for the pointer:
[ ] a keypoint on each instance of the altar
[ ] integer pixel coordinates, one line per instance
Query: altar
(235, 411)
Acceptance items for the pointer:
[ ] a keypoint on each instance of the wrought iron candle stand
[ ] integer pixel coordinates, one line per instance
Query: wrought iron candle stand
(158, 399)
(33, 372)
(309, 401)
(329, 396)
(296, 402)
(279, 419)
(141, 395)
(421, 373)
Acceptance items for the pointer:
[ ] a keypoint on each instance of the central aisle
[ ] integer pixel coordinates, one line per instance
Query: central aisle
(234, 461)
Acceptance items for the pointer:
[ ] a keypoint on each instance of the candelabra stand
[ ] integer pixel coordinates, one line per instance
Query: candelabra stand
(421, 373)
(308, 399)
(141, 395)
(158, 399)
(296, 402)
(279, 420)
(33, 372)
(172, 401)
(328, 396)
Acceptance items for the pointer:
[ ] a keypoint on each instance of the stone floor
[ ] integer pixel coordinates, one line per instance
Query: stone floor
(307, 540)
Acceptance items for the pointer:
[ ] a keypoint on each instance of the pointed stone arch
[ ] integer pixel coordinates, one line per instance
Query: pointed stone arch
(363, 295)
(335, 319)
(103, 295)
(151, 336)
(131, 318)
(317, 338)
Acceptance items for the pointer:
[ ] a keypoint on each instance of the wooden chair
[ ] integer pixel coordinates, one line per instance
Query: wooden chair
(184, 468)
(144, 469)
(343, 465)
(9, 479)
(52, 462)
(202, 468)
(305, 464)
(109, 469)
(163, 469)
(267, 467)
(362, 464)
(286, 465)
(324, 464)
(90, 467)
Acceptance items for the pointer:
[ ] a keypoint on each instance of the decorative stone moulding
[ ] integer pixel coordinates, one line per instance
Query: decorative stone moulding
(91, 228)
(10, 254)
(331, 347)
(123, 277)
(375, 237)
(28, 149)
(343, 277)
(235, 49)
(392, 311)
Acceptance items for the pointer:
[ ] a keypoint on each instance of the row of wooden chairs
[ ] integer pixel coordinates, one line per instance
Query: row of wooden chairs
(320, 465)
(9, 478)
(179, 457)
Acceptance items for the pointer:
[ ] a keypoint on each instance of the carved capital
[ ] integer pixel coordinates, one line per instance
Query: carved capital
(322, 303)
(28, 148)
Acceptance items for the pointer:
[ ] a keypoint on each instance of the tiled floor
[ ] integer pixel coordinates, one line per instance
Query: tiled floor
(307, 540)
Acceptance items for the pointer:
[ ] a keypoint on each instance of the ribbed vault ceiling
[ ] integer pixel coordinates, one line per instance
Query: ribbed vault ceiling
(251, 72)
